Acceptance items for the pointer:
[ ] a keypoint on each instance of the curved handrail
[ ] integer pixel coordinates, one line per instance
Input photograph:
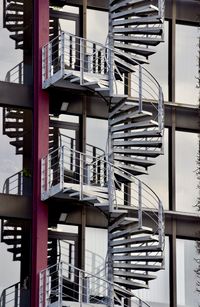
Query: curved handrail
(13, 184)
(148, 202)
(81, 274)
(79, 51)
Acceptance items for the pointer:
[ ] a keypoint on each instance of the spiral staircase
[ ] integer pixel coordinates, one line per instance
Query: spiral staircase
(135, 137)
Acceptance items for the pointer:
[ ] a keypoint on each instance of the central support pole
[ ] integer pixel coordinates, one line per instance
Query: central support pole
(41, 135)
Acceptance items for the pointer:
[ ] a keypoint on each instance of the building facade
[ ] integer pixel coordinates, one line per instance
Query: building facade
(92, 153)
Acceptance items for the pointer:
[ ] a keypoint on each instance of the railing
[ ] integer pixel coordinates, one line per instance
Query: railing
(63, 282)
(94, 263)
(10, 296)
(91, 61)
(14, 184)
(16, 74)
(85, 176)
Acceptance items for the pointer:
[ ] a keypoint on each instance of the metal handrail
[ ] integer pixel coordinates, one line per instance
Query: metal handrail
(16, 74)
(56, 54)
(14, 184)
(53, 174)
(58, 273)
(11, 296)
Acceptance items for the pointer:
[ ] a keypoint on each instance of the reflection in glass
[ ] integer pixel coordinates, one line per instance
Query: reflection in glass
(186, 178)
(157, 177)
(186, 64)
(186, 276)
(97, 26)
(158, 293)
(158, 63)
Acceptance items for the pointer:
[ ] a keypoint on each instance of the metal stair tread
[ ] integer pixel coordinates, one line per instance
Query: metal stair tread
(139, 30)
(134, 160)
(138, 258)
(139, 134)
(131, 231)
(138, 152)
(134, 275)
(136, 249)
(135, 125)
(151, 41)
(138, 143)
(17, 37)
(134, 49)
(137, 21)
(122, 222)
(138, 267)
(144, 9)
(132, 169)
(130, 283)
(129, 116)
(134, 240)
(15, 7)
(125, 4)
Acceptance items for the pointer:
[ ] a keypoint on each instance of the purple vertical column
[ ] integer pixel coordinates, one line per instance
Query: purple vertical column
(40, 132)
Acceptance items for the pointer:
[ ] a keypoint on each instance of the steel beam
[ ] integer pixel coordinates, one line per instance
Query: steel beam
(16, 95)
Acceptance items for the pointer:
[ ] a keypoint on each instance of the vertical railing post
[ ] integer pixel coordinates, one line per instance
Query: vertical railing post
(62, 167)
(140, 88)
(3, 299)
(48, 173)
(160, 223)
(80, 288)
(111, 70)
(81, 176)
(60, 284)
(49, 54)
(160, 110)
(20, 72)
(19, 180)
(140, 204)
(82, 47)
(47, 287)
(62, 63)
(16, 296)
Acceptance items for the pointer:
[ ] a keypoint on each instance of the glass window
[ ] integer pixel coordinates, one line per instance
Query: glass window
(97, 132)
(10, 162)
(95, 253)
(157, 177)
(186, 177)
(10, 270)
(158, 63)
(158, 293)
(9, 56)
(186, 64)
(186, 254)
(97, 26)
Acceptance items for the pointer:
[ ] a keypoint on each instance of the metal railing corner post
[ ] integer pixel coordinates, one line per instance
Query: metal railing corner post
(140, 204)
(140, 89)
(81, 176)
(82, 56)
(62, 64)
(80, 288)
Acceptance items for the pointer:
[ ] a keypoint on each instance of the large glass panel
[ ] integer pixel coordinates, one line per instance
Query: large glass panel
(98, 136)
(10, 162)
(186, 256)
(9, 269)
(9, 56)
(97, 25)
(157, 177)
(186, 64)
(158, 293)
(158, 63)
(96, 250)
(186, 177)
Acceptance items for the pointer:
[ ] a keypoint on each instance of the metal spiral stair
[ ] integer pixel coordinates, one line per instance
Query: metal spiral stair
(13, 21)
(13, 127)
